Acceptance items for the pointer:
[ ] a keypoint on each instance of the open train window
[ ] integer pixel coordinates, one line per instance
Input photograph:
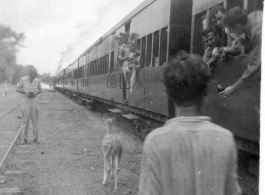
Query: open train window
(100, 66)
(87, 73)
(232, 3)
(200, 25)
(149, 50)
(163, 46)
(111, 62)
(107, 63)
(155, 49)
(254, 5)
(143, 48)
(127, 27)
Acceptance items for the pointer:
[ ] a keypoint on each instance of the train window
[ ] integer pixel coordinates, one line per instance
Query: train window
(200, 25)
(99, 66)
(163, 46)
(112, 61)
(127, 27)
(82, 71)
(149, 50)
(139, 43)
(91, 69)
(143, 47)
(233, 3)
(155, 48)
(254, 5)
(87, 70)
(107, 64)
(103, 65)
(94, 67)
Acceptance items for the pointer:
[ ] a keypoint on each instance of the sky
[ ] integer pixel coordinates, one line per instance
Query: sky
(58, 31)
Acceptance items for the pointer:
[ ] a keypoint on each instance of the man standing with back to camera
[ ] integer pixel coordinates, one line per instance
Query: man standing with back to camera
(29, 86)
(189, 155)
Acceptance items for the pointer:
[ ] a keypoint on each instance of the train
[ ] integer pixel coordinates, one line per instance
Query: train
(165, 27)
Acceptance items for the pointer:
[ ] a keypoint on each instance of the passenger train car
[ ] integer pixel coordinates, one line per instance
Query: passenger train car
(164, 27)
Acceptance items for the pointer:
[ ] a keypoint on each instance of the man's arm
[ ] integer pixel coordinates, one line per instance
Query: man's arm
(252, 71)
(149, 177)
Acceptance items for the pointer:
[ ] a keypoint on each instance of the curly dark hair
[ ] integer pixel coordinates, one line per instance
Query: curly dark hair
(206, 31)
(215, 9)
(186, 79)
(234, 16)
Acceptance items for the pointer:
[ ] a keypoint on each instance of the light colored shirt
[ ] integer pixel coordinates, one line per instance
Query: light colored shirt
(233, 35)
(189, 156)
(27, 86)
(254, 33)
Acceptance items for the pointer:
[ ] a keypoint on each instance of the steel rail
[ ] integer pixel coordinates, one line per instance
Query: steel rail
(2, 163)
(9, 110)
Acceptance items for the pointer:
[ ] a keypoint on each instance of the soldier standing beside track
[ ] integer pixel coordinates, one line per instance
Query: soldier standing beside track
(30, 86)
(189, 154)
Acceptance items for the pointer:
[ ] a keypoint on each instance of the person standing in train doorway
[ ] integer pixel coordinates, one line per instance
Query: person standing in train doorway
(189, 154)
(124, 58)
(29, 86)
(237, 21)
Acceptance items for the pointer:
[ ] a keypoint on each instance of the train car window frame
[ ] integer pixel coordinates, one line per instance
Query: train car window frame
(107, 65)
(149, 50)
(155, 52)
(163, 46)
(200, 24)
(127, 27)
(143, 52)
(111, 61)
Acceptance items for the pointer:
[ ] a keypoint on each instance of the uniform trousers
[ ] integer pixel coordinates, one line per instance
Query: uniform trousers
(30, 111)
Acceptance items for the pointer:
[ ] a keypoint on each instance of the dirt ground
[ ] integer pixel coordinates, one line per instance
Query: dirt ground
(69, 161)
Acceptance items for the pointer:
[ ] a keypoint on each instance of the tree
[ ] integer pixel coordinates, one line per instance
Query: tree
(10, 42)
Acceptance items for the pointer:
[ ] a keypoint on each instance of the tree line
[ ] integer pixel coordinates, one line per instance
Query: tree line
(10, 71)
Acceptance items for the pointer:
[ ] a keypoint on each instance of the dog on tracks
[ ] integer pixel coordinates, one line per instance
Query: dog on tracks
(112, 150)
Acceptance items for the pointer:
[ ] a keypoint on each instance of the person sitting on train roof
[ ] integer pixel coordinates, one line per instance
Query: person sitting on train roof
(217, 15)
(214, 47)
(189, 154)
(239, 22)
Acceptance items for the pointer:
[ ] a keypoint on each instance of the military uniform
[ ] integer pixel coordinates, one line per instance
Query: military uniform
(29, 106)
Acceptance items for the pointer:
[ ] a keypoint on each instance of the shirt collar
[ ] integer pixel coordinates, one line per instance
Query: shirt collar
(194, 119)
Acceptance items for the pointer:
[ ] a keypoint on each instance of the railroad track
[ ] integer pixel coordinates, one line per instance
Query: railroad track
(5, 113)
(5, 137)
